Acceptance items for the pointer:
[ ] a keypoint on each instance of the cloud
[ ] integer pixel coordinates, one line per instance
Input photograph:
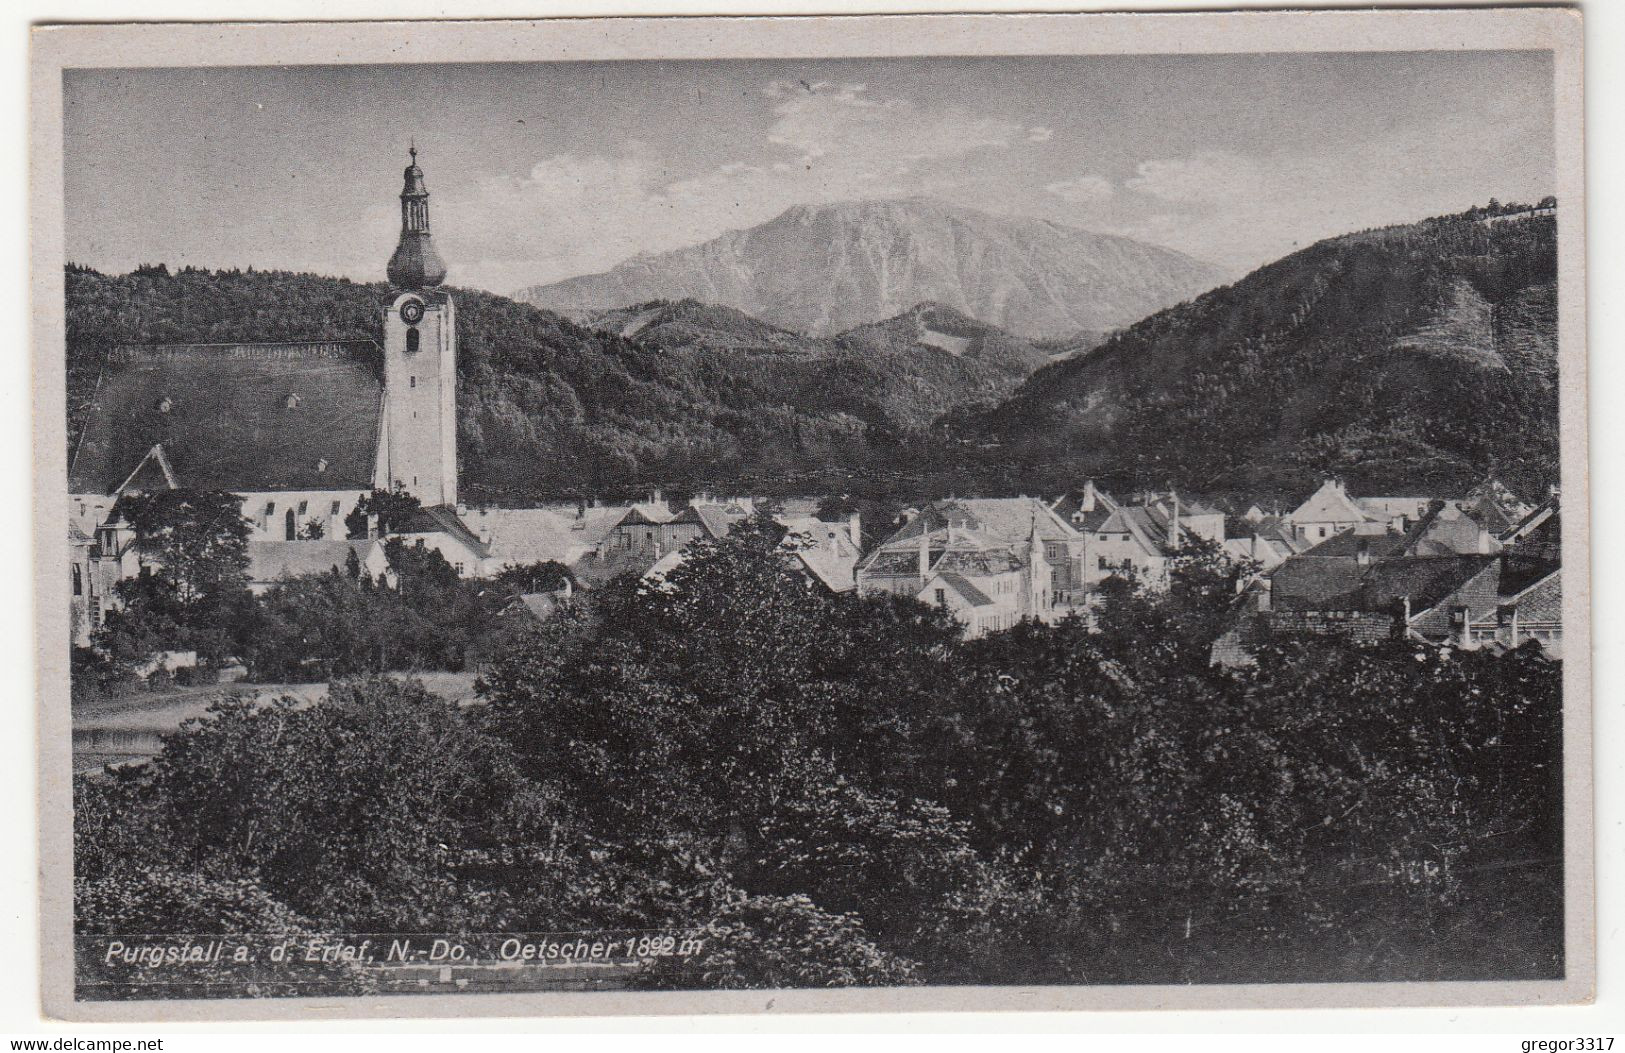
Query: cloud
(1040, 134)
(578, 213)
(1083, 189)
(1208, 176)
(825, 120)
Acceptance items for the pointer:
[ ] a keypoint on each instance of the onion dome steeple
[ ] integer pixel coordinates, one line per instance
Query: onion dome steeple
(415, 265)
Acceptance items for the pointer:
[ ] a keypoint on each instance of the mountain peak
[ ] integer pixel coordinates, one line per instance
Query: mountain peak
(826, 268)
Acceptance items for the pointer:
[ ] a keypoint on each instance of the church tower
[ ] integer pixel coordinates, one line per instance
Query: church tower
(419, 449)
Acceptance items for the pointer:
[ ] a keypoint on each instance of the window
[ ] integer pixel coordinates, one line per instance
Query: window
(412, 382)
(411, 341)
(334, 510)
(81, 509)
(270, 508)
(78, 581)
(942, 597)
(1322, 531)
(1102, 560)
(458, 567)
(302, 506)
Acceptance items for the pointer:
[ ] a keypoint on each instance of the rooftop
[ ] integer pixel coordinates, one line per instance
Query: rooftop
(240, 417)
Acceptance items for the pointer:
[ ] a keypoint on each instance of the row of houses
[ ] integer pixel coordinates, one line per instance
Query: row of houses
(1336, 563)
(1464, 574)
(303, 431)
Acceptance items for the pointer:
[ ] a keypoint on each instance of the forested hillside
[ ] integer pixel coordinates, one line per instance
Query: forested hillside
(699, 396)
(1420, 357)
(1417, 356)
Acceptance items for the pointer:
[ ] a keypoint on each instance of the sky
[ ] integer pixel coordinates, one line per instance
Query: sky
(543, 171)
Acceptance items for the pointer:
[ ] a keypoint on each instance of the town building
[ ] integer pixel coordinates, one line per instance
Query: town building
(824, 553)
(271, 561)
(1330, 510)
(1441, 585)
(301, 430)
(992, 562)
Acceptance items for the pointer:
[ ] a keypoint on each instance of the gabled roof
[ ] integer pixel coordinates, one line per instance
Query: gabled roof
(275, 560)
(1001, 520)
(715, 520)
(522, 536)
(1330, 504)
(153, 473)
(438, 519)
(1521, 573)
(962, 585)
(1425, 580)
(225, 419)
(1388, 507)
(833, 569)
(1070, 508)
(1537, 520)
(638, 516)
(822, 532)
(1350, 544)
(1142, 524)
(595, 569)
(539, 605)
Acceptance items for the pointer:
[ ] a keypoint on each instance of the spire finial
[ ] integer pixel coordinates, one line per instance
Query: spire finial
(412, 148)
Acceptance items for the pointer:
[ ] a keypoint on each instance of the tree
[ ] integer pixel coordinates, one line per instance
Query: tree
(192, 592)
(544, 576)
(361, 812)
(195, 541)
(392, 508)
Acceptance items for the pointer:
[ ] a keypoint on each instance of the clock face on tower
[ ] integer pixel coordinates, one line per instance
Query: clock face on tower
(412, 312)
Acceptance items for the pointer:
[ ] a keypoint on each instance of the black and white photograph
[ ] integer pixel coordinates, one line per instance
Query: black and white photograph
(579, 523)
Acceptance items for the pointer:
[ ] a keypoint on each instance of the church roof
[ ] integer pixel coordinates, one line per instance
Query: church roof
(240, 417)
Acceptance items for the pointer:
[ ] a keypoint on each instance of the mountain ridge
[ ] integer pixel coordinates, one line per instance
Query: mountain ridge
(1420, 354)
(825, 269)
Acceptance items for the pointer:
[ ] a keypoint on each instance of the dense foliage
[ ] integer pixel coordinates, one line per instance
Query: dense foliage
(192, 591)
(838, 790)
(1421, 354)
(192, 595)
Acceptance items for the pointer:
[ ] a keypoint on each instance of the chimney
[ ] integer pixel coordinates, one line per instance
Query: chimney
(1087, 502)
(1484, 542)
(1174, 539)
(1362, 552)
(854, 529)
(372, 524)
(925, 556)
